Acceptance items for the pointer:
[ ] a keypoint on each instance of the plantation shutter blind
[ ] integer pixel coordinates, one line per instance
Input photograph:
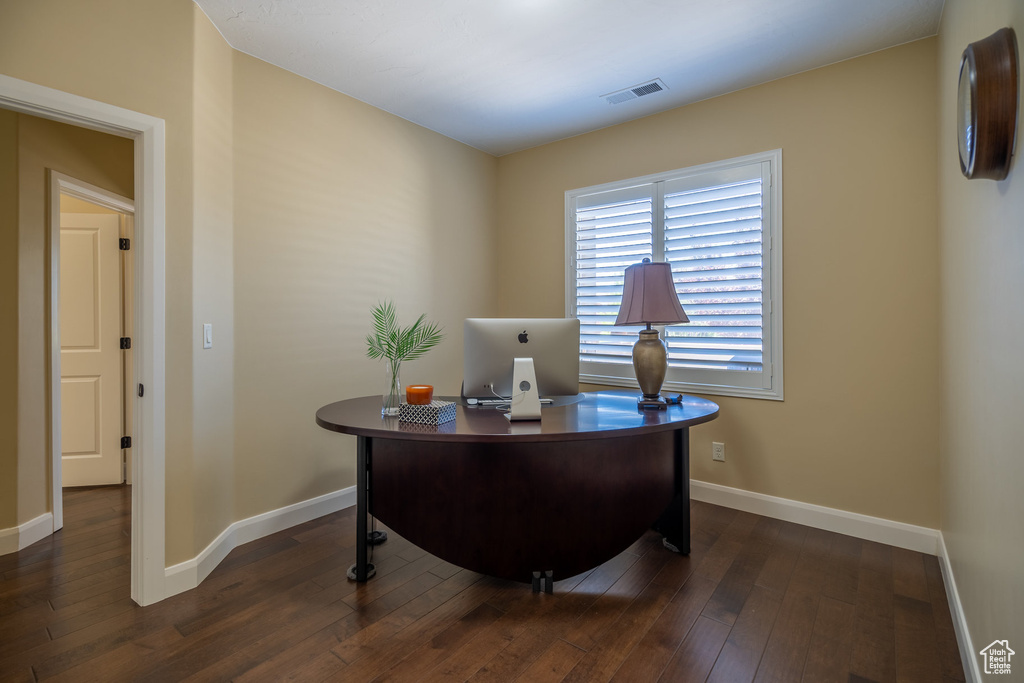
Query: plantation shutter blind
(713, 239)
(613, 230)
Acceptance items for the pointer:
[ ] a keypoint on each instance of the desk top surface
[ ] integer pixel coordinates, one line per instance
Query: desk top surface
(600, 413)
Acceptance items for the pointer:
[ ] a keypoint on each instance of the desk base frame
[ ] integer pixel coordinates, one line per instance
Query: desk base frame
(673, 523)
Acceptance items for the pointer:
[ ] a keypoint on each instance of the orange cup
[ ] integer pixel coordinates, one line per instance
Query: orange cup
(419, 394)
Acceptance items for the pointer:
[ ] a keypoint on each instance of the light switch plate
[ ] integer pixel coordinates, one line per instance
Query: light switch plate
(207, 335)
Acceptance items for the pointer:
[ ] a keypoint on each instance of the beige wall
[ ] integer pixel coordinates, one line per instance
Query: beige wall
(858, 429)
(103, 160)
(288, 217)
(338, 206)
(9, 320)
(982, 238)
(210, 470)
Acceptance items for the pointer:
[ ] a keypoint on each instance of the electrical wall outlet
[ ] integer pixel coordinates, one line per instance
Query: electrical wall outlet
(718, 451)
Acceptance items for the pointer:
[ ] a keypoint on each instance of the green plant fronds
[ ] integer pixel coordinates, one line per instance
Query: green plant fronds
(396, 344)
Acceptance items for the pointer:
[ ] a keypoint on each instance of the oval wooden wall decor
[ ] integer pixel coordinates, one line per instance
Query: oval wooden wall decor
(987, 106)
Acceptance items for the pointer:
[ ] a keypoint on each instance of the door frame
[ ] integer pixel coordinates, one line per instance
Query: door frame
(73, 187)
(148, 583)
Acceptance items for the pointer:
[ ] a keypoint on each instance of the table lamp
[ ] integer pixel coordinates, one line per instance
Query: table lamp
(649, 297)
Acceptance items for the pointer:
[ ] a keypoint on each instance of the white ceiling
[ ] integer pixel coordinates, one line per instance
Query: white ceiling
(505, 75)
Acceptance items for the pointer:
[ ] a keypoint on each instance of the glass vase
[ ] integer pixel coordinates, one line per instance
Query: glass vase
(392, 397)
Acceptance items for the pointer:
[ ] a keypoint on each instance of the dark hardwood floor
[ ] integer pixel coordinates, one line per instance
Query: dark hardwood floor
(757, 600)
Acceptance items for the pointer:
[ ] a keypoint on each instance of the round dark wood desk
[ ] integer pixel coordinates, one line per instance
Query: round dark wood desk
(526, 501)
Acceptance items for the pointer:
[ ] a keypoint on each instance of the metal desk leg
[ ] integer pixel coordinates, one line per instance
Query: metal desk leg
(362, 569)
(683, 486)
(674, 524)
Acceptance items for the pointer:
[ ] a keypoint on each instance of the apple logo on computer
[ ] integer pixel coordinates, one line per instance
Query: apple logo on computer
(522, 337)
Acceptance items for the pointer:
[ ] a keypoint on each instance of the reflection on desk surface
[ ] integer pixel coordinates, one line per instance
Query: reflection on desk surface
(593, 412)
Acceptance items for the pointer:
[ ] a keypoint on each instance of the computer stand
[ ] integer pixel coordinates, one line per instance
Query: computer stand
(525, 401)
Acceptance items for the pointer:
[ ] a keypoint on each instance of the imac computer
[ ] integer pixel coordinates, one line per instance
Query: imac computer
(492, 345)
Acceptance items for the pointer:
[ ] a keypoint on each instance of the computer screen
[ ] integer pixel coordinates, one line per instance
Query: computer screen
(490, 346)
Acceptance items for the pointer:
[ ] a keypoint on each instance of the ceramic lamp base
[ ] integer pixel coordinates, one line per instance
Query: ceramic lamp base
(650, 363)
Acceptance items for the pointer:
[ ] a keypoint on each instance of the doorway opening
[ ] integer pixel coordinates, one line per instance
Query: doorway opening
(148, 576)
(93, 232)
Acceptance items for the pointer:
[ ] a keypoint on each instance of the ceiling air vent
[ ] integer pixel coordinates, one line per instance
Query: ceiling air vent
(636, 91)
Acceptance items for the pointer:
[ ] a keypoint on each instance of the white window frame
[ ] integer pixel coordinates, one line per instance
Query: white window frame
(767, 384)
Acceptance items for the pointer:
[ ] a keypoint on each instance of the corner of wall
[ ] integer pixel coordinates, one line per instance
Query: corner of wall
(213, 457)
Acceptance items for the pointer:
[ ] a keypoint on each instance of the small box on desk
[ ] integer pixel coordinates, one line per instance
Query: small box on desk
(433, 413)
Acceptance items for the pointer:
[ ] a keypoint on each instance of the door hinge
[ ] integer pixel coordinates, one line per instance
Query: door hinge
(126, 342)
(126, 442)
(124, 243)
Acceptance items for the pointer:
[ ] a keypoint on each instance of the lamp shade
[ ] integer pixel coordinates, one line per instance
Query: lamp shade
(649, 296)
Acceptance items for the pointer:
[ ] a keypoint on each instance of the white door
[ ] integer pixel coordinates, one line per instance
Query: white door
(90, 355)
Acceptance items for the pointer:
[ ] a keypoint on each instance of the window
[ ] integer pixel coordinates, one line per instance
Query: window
(720, 226)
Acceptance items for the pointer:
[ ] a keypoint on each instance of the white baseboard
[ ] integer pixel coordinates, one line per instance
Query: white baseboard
(968, 657)
(189, 574)
(20, 537)
(919, 538)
